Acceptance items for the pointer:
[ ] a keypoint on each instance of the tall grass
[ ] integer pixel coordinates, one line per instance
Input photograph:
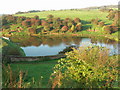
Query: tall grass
(17, 79)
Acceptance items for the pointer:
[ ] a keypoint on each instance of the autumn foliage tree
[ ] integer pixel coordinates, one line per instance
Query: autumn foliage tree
(77, 20)
(32, 30)
(101, 23)
(26, 23)
(64, 29)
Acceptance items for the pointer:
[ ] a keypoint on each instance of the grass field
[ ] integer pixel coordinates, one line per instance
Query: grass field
(36, 70)
(83, 15)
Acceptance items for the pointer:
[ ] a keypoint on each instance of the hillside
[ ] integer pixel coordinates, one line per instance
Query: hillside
(83, 14)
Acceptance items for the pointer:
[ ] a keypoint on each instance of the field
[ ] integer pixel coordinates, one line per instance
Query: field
(40, 71)
(84, 15)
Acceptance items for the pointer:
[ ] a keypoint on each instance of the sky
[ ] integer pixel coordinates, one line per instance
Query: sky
(13, 6)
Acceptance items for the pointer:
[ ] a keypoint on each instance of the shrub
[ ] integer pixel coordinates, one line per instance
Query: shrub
(78, 26)
(64, 28)
(47, 28)
(111, 15)
(11, 19)
(72, 28)
(37, 22)
(50, 20)
(87, 67)
(116, 21)
(114, 28)
(26, 23)
(107, 29)
(36, 17)
(20, 19)
(95, 21)
(101, 24)
(32, 30)
(67, 19)
(50, 16)
(64, 23)
(44, 23)
(77, 20)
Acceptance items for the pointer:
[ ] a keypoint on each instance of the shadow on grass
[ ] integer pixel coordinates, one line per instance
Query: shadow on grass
(86, 27)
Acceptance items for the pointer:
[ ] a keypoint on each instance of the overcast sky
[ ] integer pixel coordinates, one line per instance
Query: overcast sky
(13, 6)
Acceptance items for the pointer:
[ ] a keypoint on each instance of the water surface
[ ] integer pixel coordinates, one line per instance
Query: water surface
(45, 46)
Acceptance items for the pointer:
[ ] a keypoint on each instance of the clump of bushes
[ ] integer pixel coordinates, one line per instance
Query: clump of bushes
(101, 23)
(51, 24)
(87, 67)
(110, 29)
(95, 21)
(111, 15)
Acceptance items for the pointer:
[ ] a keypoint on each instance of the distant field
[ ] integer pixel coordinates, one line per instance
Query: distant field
(83, 15)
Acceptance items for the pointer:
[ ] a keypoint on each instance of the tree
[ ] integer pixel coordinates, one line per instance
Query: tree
(77, 20)
(64, 28)
(107, 29)
(36, 17)
(50, 16)
(101, 24)
(78, 26)
(32, 30)
(26, 23)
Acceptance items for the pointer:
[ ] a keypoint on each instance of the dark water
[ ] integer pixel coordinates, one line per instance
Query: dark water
(44, 46)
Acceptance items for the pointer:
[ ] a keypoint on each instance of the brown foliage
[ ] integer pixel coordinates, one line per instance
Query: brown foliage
(107, 29)
(101, 24)
(64, 28)
(26, 23)
(50, 16)
(77, 20)
(32, 30)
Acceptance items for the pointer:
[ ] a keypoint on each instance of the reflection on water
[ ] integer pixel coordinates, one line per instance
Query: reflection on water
(43, 46)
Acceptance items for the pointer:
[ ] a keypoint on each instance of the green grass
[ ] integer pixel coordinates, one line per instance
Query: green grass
(36, 70)
(83, 15)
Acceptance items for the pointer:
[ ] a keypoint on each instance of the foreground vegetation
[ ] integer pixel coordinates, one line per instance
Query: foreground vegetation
(83, 68)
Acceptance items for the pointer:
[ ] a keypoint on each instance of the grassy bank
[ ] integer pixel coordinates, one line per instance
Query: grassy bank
(40, 71)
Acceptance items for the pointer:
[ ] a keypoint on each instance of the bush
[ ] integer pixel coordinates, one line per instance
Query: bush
(50, 16)
(87, 67)
(26, 23)
(114, 28)
(107, 29)
(111, 15)
(78, 26)
(64, 28)
(32, 30)
(116, 21)
(36, 17)
(95, 21)
(101, 24)
(77, 20)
